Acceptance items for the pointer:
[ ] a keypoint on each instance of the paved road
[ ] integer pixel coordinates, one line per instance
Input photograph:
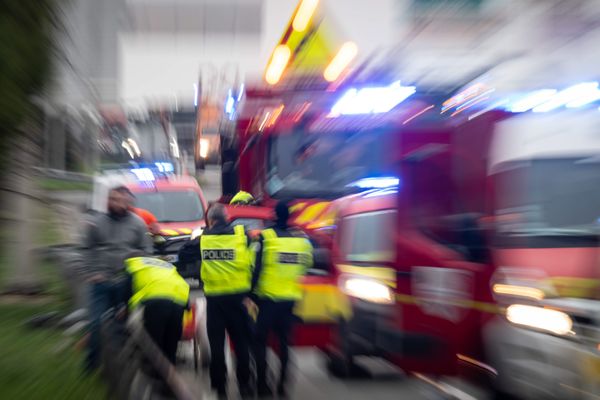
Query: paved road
(311, 379)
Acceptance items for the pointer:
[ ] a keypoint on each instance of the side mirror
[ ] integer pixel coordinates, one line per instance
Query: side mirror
(228, 166)
(317, 272)
(473, 238)
(470, 236)
(229, 178)
(322, 259)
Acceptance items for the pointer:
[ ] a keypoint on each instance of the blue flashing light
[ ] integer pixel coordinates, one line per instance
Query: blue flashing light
(572, 97)
(590, 96)
(383, 192)
(372, 100)
(229, 103)
(143, 174)
(164, 166)
(376, 183)
(532, 100)
(241, 93)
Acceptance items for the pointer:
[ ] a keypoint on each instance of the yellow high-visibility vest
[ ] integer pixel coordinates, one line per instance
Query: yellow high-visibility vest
(226, 266)
(285, 261)
(155, 279)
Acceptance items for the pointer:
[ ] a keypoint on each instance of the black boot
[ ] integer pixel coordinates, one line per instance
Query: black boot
(264, 391)
(282, 391)
(247, 392)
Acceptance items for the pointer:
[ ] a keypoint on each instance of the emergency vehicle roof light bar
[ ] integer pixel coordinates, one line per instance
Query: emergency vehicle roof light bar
(532, 100)
(372, 100)
(164, 166)
(381, 192)
(376, 183)
(572, 97)
(143, 174)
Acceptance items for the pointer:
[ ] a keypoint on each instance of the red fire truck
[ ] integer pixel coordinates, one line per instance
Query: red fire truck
(285, 144)
(460, 237)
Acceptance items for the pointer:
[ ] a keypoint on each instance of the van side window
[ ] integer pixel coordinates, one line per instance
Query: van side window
(369, 237)
(441, 213)
(433, 196)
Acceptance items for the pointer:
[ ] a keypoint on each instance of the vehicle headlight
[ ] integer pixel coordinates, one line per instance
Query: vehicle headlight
(368, 290)
(196, 232)
(544, 319)
(518, 291)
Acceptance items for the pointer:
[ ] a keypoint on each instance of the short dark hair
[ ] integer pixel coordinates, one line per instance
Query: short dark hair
(217, 213)
(123, 190)
(282, 212)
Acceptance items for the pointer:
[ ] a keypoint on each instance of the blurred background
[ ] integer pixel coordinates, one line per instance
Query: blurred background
(484, 112)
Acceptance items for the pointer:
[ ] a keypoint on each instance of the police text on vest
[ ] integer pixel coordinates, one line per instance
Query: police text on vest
(218, 254)
(289, 258)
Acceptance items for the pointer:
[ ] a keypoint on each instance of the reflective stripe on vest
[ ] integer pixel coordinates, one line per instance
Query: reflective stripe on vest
(285, 261)
(155, 279)
(226, 267)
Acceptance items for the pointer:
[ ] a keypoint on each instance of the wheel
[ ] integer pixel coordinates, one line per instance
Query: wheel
(340, 361)
(338, 366)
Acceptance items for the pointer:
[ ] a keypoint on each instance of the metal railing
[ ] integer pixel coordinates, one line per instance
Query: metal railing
(134, 367)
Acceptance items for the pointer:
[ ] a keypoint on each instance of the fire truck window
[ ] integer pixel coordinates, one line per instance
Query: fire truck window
(369, 237)
(302, 164)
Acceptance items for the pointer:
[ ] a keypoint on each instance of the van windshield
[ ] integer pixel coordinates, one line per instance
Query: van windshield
(368, 237)
(558, 196)
(172, 206)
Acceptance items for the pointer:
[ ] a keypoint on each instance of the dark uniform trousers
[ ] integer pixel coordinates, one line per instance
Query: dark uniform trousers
(227, 313)
(276, 317)
(163, 320)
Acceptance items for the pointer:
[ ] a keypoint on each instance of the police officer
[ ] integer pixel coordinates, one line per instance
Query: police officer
(157, 286)
(282, 258)
(226, 274)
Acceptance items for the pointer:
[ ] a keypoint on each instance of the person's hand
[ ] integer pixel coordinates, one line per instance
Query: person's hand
(251, 307)
(248, 303)
(154, 228)
(96, 278)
